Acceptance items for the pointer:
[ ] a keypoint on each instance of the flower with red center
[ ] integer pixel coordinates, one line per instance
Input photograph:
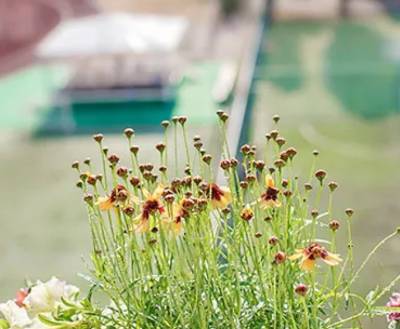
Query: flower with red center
(175, 217)
(20, 297)
(220, 196)
(394, 301)
(150, 206)
(269, 198)
(118, 194)
(313, 252)
(247, 213)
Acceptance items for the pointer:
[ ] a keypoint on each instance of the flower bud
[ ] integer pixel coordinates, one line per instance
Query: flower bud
(284, 156)
(98, 137)
(207, 158)
(160, 147)
(245, 149)
(315, 152)
(259, 164)
(280, 141)
(105, 150)
(122, 195)
(197, 179)
(225, 164)
(234, 163)
(182, 120)
(122, 172)
(279, 257)
(274, 134)
(273, 241)
(285, 183)
(162, 169)
(268, 137)
(291, 151)
(320, 175)
(129, 211)
(87, 161)
(333, 186)
(169, 198)
(79, 184)
(247, 214)
(134, 149)
(279, 163)
(307, 186)
(287, 193)
(165, 124)
(91, 180)
(258, 235)
(276, 118)
(349, 212)
(175, 119)
(244, 185)
(114, 159)
(135, 181)
(314, 213)
(334, 225)
(301, 289)
(75, 165)
(129, 132)
(196, 138)
(88, 198)
(250, 178)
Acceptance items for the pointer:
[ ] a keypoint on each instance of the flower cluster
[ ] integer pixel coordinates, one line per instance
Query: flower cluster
(239, 243)
(41, 306)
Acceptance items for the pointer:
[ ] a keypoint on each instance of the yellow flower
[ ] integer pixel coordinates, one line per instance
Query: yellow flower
(269, 198)
(118, 194)
(220, 197)
(151, 205)
(174, 218)
(313, 252)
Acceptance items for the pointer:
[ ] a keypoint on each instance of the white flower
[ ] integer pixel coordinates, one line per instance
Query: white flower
(16, 316)
(44, 297)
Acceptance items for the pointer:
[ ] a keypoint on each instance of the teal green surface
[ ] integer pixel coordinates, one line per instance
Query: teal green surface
(359, 66)
(25, 98)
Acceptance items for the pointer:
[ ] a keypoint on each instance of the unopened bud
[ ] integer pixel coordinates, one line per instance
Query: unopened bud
(98, 137)
(301, 289)
(129, 132)
(334, 225)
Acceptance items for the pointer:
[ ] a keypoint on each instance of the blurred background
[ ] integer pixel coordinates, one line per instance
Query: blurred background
(71, 68)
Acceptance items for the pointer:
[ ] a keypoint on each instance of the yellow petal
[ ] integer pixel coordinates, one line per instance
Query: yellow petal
(104, 203)
(297, 255)
(307, 264)
(143, 226)
(158, 192)
(269, 181)
(332, 259)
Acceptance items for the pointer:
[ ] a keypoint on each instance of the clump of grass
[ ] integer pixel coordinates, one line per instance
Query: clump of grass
(182, 250)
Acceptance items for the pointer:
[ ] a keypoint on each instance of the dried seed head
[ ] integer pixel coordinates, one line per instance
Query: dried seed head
(307, 186)
(160, 147)
(274, 134)
(122, 172)
(165, 124)
(273, 240)
(285, 182)
(314, 213)
(129, 132)
(258, 235)
(279, 257)
(207, 158)
(280, 141)
(135, 181)
(87, 161)
(225, 164)
(113, 159)
(244, 185)
(349, 212)
(276, 118)
(245, 149)
(301, 289)
(98, 137)
(333, 186)
(334, 225)
(88, 198)
(259, 164)
(129, 211)
(75, 165)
